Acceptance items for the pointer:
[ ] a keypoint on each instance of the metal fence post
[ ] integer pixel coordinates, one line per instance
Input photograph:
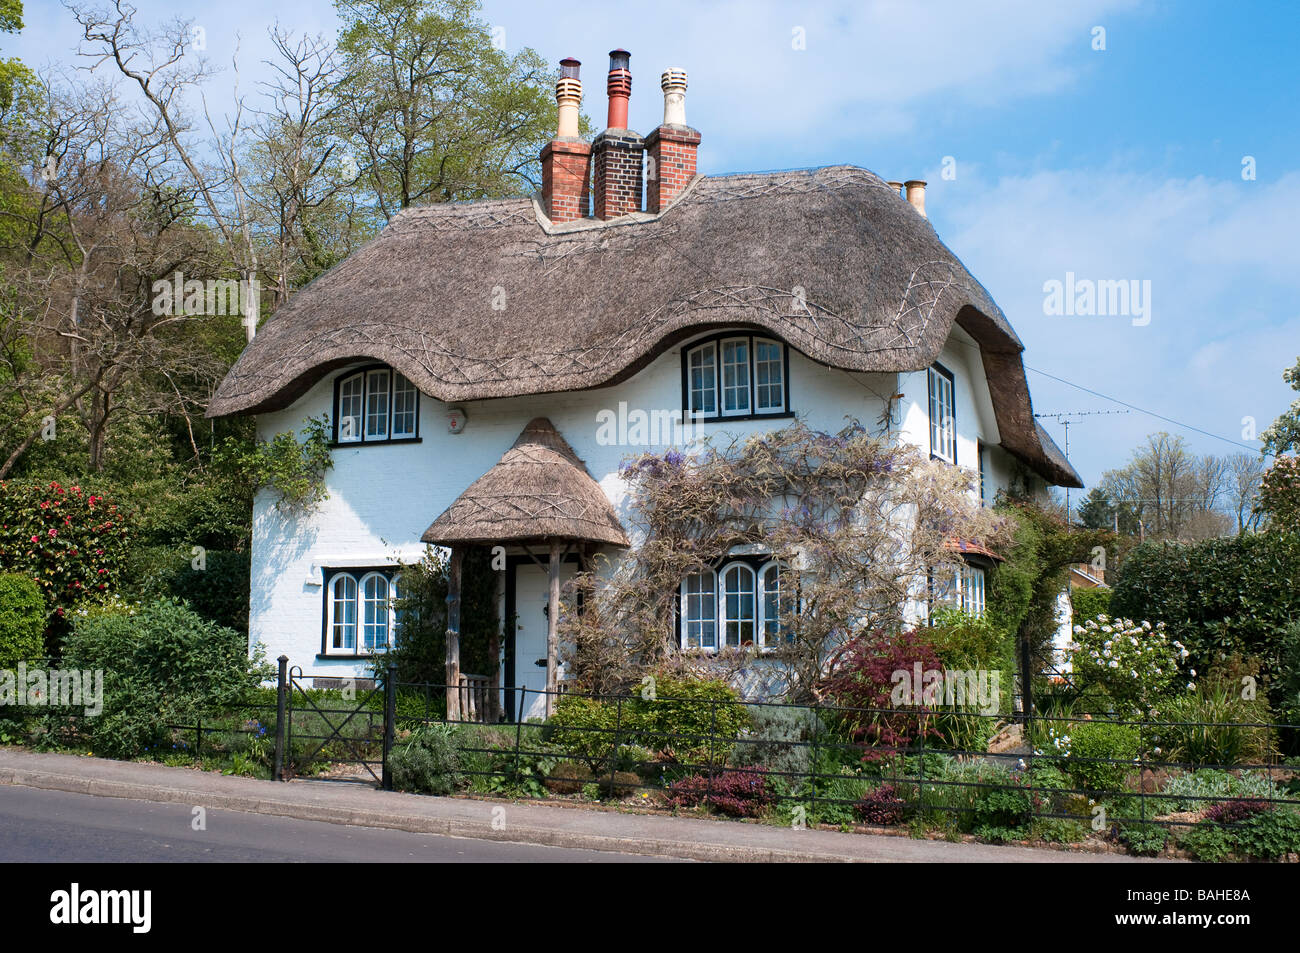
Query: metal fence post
(281, 694)
(613, 758)
(390, 724)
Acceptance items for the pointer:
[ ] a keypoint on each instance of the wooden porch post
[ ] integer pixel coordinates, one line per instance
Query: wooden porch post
(453, 633)
(552, 628)
(494, 654)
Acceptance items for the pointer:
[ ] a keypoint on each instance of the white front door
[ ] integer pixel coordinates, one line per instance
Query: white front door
(532, 594)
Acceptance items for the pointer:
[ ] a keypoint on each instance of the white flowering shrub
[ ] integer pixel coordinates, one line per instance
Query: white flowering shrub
(1134, 663)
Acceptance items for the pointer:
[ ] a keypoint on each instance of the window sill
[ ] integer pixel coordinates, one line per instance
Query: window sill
(715, 419)
(336, 444)
(322, 656)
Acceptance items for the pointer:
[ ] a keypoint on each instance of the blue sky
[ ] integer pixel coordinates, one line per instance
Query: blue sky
(1122, 163)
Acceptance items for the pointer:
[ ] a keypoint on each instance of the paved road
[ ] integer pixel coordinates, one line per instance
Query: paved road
(38, 825)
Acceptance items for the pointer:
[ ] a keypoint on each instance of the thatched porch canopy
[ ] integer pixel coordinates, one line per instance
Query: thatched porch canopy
(538, 490)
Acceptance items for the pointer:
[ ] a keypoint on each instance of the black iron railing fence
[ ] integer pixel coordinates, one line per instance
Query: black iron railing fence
(816, 762)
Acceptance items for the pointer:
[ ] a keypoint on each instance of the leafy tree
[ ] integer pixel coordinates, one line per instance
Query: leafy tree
(435, 111)
(1284, 433)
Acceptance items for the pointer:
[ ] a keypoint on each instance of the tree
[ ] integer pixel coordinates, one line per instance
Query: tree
(1170, 492)
(1284, 433)
(1245, 474)
(1279, 495)
(435, 110)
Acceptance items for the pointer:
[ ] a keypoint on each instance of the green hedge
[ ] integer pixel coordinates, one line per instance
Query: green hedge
(1229, 596)
(1090, 603)
(22, 621)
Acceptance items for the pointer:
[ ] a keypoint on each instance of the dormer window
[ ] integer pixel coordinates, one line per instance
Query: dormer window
(375, 405)
(735, 376)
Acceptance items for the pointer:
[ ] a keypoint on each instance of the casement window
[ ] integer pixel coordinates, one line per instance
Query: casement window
(700, 611)
(736, 376)
(375, 405)
(739, 605)
(961, 587)
(359, 614)
(943, 414)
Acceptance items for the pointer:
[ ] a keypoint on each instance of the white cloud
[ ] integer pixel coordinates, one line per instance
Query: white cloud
(1225, 274)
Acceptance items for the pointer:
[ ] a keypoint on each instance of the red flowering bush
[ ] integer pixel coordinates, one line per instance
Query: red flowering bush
(1234, 812)
(863, 675)
(71, 542)
(740, 793)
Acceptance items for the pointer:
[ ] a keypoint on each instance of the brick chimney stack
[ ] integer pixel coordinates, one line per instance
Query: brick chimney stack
(672, 147)
(566, 159)
(616, 153)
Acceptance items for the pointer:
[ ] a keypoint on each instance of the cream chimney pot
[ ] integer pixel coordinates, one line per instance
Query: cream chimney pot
(916, 195)
(673, 83)
(568, 96)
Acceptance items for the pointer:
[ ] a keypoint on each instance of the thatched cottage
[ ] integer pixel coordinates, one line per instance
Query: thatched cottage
(487, 366)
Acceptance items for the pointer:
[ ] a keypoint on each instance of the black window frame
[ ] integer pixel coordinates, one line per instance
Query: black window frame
(365, 372)
(389, 572)
(929, 410)
(718, 414)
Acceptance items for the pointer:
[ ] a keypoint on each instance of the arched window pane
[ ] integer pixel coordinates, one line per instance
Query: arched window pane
(738, 605)
(344, 613)
(374, 603)
(700, 611)
(776, 603)
(377, 405)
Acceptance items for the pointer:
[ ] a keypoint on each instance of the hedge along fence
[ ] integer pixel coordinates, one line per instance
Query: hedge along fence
(1221, 597)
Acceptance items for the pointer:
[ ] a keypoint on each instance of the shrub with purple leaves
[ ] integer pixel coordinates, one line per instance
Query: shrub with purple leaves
(884, 805)
(741, 792)
(1234, 812)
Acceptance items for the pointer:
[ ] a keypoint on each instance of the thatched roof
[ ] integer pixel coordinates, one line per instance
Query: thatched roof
(488, 299)
(538, 490)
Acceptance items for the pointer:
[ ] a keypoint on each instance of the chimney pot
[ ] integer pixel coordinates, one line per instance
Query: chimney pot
(897, 187)
(619, 87)
(673, 83)
(568, 96)
(916, 195)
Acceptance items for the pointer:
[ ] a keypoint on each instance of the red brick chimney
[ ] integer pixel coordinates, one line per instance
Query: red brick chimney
(671, 148)
(566, 159)
(616, 153)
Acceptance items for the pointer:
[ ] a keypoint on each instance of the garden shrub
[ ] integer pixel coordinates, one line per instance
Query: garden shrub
(1145, 840)
(1101, 755)
(780, 740)
(884, 805)
(427, 761)
(583, 729)
(73, 543)
(1213, 726)
(219, 591)
(1135, 664)
(162, 664)
(1003, 813)
(1234, 812)
(568, 777)
(1089, 603)
(1208, 841)
(693, 709)
(22, 621)
(1270, 835)
(740, 792)
(1194, 791)
(862, 677)
(1234, 595)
